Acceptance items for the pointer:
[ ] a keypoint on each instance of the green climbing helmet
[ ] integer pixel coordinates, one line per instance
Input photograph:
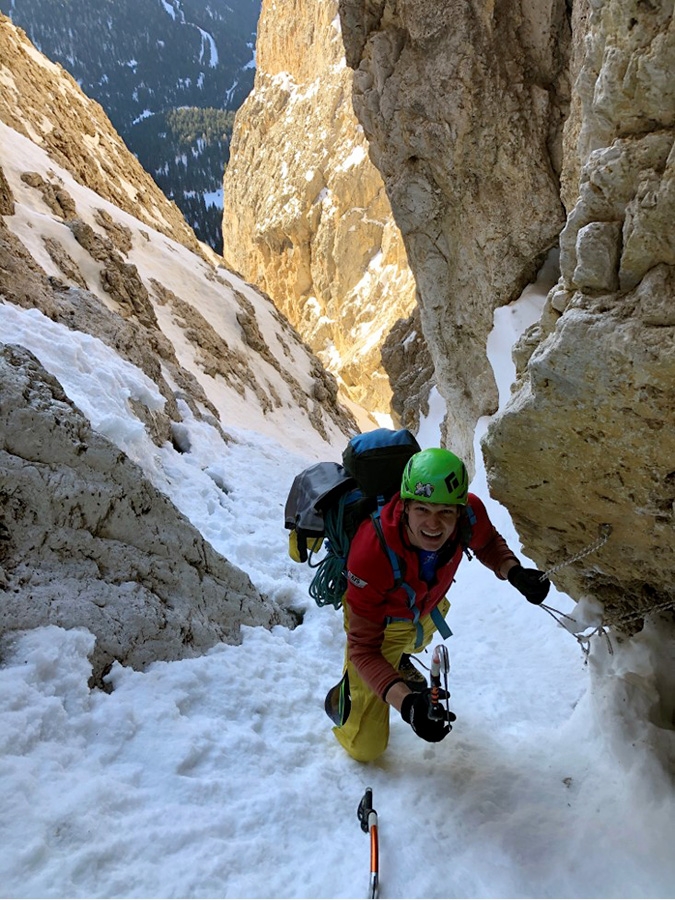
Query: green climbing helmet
(435, 476)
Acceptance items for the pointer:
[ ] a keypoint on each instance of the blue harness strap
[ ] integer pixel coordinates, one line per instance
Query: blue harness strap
(436, 617)
(440, 623)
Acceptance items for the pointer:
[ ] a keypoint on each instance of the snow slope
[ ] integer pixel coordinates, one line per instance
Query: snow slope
(219, 776)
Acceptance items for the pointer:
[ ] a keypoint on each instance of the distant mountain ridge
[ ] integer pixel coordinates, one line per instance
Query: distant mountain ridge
(144, 59)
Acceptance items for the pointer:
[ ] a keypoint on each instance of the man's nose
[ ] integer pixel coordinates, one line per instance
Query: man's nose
(435, 520)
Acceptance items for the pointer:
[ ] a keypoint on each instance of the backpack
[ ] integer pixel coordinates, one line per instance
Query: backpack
(328, 501)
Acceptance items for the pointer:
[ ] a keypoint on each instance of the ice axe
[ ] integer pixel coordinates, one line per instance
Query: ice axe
(368, 819)
(440, 665)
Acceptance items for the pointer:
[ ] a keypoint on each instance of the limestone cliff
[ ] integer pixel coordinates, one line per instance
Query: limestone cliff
(588, 439)
(306, 216)
(486, 120)
(463, 106)
(135, 572)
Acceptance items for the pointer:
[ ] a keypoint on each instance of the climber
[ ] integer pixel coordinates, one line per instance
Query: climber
(420, 536)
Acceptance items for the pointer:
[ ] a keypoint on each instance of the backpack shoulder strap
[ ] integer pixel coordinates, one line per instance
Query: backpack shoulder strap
(466, 523)
(393, 557)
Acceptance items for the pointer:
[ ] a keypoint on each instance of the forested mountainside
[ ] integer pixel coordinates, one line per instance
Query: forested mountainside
(169, 74)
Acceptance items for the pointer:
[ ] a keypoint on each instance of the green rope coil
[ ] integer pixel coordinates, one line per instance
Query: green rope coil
(330, 581)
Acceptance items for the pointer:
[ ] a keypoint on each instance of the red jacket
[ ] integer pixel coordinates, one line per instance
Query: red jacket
(370, 595)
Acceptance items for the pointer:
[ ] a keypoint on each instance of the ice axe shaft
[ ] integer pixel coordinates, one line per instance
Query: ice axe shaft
(368, 819)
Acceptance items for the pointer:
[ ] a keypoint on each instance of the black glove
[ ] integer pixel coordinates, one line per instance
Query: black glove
(531, 583)
(418, 712)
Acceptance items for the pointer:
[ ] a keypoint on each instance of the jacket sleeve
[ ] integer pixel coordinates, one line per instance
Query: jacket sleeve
(364, 641)
(486, 542)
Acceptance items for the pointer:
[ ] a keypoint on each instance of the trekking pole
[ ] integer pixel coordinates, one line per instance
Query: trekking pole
(368, 819)
(440, 663)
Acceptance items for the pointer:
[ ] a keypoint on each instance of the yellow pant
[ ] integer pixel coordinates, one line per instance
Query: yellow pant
(365, 734)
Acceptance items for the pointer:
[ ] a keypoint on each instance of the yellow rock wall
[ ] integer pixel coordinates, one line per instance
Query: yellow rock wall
(306, 216)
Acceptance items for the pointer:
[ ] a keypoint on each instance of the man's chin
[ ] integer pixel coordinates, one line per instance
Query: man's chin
(432, 544)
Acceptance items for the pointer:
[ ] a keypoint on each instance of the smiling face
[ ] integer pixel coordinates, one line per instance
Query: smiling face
(429, 525)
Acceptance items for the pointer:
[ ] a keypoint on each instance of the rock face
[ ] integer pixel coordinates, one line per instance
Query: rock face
(589, 436)
(306, 216)
(589, 440)
(92, 532)
(87, 541)
(463, 106)
(405, 356)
